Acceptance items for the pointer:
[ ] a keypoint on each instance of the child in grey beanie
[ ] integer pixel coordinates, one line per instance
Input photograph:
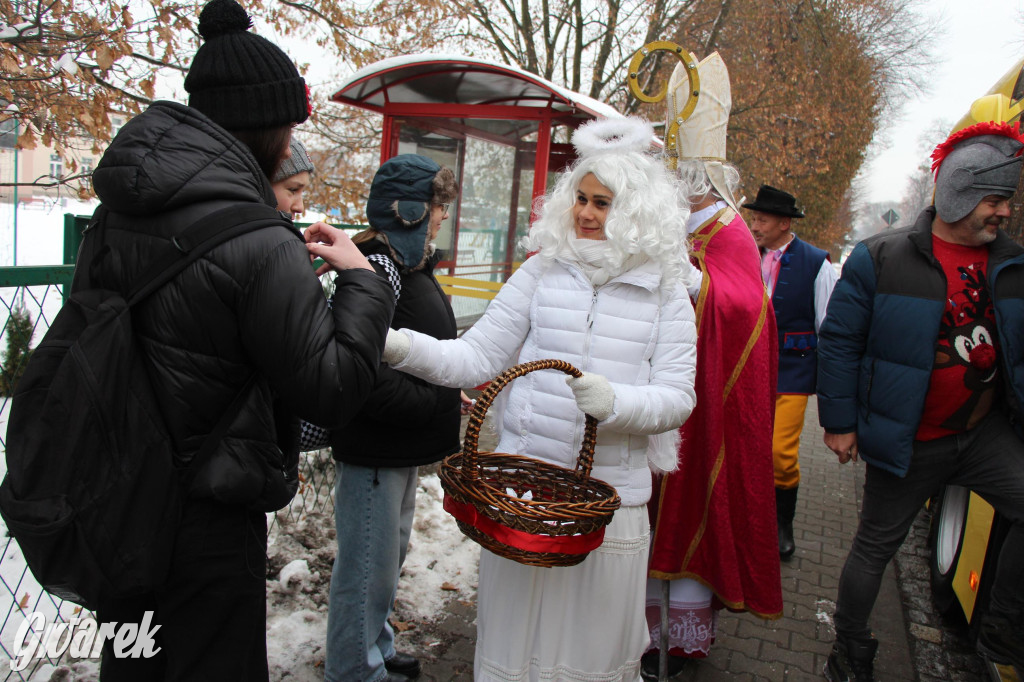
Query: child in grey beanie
(292, 179)
(296, 163)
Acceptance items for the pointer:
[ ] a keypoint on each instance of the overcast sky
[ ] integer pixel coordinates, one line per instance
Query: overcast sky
(981, 40)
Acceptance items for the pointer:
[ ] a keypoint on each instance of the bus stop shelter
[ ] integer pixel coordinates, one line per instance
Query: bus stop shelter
(502, 130)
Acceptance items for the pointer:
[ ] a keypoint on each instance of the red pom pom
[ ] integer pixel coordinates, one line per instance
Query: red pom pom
(983, 356)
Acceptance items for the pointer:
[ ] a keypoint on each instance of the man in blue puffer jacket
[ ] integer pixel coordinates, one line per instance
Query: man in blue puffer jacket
(921, 373)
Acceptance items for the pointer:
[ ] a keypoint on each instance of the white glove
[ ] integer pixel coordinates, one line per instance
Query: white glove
(594, 395)
(396, 347)
(663, 452)
(696, 279)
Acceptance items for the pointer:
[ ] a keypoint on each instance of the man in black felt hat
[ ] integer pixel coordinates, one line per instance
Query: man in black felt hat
(799, 278)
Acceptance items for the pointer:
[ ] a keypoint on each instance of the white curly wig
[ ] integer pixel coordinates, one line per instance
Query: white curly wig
(647, 214)
(695, 184)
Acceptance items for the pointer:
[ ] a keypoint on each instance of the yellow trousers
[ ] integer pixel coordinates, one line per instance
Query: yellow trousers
(789, 423)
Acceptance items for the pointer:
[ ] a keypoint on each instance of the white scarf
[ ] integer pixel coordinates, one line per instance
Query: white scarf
(593, 257)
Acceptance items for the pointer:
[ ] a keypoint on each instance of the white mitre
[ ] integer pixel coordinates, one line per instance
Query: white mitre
(703, 135)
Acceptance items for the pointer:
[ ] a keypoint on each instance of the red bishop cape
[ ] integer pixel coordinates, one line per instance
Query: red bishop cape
(714, 518)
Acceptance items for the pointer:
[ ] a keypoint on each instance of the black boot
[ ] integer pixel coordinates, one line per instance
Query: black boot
(649, 664)
(851, 661)
(785, 510)
(1001, 641)
(403, 664)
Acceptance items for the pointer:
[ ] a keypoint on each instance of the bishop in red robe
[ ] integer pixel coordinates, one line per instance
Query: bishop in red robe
(713, 519)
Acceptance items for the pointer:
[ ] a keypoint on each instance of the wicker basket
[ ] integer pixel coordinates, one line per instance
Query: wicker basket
(562, 518)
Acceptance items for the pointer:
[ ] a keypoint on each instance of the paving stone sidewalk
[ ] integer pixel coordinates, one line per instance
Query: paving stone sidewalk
(792, 648)
(939, 647)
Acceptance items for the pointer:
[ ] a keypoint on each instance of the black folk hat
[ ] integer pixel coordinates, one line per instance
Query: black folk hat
(772, 200)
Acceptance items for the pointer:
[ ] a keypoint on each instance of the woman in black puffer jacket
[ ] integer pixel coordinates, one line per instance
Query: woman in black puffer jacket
(247, 319)
(405, 423)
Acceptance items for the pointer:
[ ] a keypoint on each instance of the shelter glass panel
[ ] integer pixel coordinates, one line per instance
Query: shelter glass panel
(414, 138)
(494, 162)
(488, 182)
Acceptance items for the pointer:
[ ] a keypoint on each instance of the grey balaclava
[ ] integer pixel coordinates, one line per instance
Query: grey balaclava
(975, 168)
(296, 163)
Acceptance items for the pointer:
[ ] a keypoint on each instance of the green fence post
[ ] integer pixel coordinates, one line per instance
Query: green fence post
(73, 228)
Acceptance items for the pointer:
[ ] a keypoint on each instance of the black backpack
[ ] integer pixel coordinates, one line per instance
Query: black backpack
(91, 493)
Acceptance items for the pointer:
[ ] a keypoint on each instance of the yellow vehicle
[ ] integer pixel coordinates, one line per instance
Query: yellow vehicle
(967, 533)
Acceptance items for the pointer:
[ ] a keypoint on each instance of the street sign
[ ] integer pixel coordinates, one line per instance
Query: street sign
(890, 217)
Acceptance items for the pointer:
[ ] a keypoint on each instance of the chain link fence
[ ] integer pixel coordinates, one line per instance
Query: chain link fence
(27, 311)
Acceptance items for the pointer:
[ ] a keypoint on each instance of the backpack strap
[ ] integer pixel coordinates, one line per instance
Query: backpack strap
(184, 249)
(199, 238)
(389, 267)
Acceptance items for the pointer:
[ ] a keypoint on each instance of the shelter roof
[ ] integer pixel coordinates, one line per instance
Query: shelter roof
(444, 79)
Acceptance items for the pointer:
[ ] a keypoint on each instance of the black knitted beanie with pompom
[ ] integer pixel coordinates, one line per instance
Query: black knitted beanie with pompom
(240, 80)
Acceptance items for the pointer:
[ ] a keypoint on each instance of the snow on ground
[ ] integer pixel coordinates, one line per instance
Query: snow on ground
(39, 229)
(35, 238)
(442, 562)
(441, 566)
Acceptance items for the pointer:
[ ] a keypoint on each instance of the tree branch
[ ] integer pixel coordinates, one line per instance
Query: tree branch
(158, 62)
(125, 93)
(709, 44)
(49, 182)
(598, 79)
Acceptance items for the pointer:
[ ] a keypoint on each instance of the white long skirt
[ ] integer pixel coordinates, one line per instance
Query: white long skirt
(584, 623)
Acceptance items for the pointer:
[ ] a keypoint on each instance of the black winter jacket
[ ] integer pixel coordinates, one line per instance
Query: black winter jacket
(406, 422)
(251, 306)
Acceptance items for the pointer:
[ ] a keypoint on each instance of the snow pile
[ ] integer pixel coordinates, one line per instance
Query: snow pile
(442, 562)
(441, 566)
(295, 645)
(293, 575)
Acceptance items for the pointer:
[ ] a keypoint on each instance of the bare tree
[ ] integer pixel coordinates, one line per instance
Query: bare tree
(921, 184)
(811, 81)
(67, 65)
(583, 44)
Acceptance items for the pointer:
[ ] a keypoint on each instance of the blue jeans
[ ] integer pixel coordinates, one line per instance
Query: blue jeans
(988, 459)
(373, 512)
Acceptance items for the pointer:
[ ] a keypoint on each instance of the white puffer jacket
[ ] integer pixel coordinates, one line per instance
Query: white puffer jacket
(643, 339)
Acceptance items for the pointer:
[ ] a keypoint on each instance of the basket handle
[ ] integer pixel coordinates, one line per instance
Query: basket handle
(584, 463)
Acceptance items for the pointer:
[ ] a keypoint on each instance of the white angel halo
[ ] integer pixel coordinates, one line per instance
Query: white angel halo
(617, 135)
